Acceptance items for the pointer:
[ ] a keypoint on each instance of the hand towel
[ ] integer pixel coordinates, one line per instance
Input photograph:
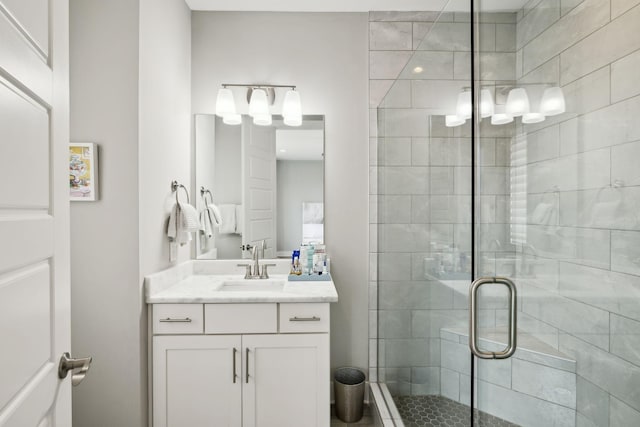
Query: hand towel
(183, 220)
(206, 223)
(216, 216)
(239, 219)
(228, 217)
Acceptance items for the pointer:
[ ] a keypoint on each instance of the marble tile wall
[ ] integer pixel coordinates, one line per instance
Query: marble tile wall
(581, 279)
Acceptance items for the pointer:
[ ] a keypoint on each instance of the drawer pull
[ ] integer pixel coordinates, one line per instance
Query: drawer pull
(304, 319)
(170, 320)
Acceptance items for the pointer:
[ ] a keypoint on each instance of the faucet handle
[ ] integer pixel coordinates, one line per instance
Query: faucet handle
(265, 273)
(247, 274)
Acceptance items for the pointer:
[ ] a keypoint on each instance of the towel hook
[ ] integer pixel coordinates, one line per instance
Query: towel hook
(204, 192)
(175, 186)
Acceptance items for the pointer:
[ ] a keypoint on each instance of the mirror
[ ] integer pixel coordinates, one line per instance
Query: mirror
(266, 183)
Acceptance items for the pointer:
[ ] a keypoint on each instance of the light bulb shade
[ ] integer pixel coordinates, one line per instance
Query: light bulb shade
(487, 107)
(292, 121)
(463, 107)
(291, 107)
(225, 104)
(500, 117)
(532, 118)
(258, 104)
(517, 102)
(552, 102)
(232, 119)
(452, 120)
(262, 120)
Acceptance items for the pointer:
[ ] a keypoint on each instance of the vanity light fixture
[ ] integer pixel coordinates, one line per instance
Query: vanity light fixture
(517, 102)
(225, 104)
(260, 98)
(552, 102)
(487, 107)
(464, 106)
(232, 119)
(500, 117)
(452, 120)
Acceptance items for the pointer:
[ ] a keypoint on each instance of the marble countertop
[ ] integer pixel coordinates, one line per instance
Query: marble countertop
(189, 283)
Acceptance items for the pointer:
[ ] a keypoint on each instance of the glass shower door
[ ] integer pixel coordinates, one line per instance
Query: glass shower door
(557, 212)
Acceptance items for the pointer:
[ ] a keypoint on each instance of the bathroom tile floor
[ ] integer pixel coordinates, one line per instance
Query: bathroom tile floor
(365, 421)
(438, 411)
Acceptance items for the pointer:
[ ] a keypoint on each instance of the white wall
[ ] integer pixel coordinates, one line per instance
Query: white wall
(130, 93)
(165, 122)
(325, 55)
(105, 291)
(298, 181)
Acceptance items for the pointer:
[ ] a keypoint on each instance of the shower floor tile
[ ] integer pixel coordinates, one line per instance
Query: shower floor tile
(437, 411)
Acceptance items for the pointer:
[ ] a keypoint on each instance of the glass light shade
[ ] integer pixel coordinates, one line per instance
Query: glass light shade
(262, 120)
(258, 105)
(517, 102)
(291, 109)
(532, 118)
(487, 108)
(500, 117)
(232, 119)
(293, 121)
(552, 102)
(225, 105)
(452, 120)
(463, 107)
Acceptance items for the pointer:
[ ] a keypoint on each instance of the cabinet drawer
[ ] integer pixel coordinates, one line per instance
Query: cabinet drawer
(259, 318)
(177, 319)
(304, 317)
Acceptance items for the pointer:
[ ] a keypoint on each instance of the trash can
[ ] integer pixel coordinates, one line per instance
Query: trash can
(348, 387)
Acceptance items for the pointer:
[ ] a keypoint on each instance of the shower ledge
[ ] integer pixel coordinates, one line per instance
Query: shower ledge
(529, 347)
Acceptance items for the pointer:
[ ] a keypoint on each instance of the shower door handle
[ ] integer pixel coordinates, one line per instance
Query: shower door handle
(473, 324)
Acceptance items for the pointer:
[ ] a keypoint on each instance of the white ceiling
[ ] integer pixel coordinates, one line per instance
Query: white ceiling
(351, 5)
(299, 144)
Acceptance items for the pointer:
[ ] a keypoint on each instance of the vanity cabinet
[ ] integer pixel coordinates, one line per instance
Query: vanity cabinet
(219, 373)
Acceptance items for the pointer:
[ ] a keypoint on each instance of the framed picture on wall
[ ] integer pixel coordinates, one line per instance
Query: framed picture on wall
(83, 171)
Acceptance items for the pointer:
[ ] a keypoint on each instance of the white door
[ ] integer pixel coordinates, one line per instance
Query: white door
(288, 380)
(259, 186)
(197, 381)
(34, 212)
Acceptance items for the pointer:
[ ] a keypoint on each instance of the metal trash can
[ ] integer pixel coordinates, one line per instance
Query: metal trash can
(348, 387)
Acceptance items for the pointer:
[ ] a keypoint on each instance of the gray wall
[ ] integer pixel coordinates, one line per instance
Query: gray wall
(325, 55)
(298, 181)
(105, 289)
(130, 82)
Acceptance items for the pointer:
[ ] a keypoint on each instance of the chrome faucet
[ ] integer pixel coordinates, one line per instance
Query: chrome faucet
(253, 271)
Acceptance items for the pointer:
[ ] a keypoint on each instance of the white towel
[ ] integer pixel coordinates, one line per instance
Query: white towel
(228, 217)
(216, 216)
(182, 222)
(206, 223)
(239, 219)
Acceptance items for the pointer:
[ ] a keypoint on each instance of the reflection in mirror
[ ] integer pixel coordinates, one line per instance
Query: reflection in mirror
(266, 183)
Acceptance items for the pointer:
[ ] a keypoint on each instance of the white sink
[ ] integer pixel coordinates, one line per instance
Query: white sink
(255, 285)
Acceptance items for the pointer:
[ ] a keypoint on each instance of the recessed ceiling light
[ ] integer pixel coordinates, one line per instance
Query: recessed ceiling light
(282, 150)
(418, 70)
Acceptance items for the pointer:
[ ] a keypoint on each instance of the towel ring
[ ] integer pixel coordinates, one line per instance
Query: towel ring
(203, 193)
(175, 186)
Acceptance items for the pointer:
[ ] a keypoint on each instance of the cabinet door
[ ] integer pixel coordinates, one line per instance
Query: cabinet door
(288, 380)
(194, 383)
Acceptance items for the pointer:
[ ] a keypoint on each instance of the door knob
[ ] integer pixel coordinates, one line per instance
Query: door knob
(79, 368)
